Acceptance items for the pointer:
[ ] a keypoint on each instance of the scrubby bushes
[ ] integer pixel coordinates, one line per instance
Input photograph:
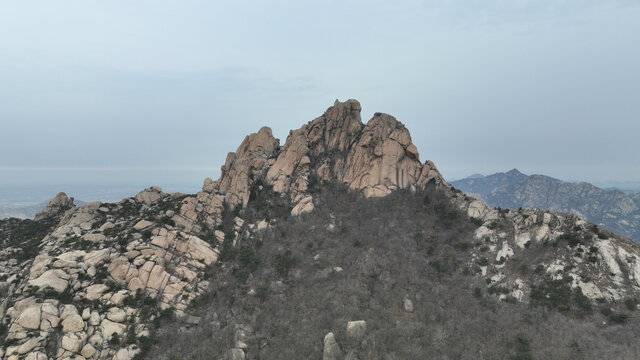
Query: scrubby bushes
(523, 350)
(475, 221)
(295, 296)
(25, 235)
(558, 294)
(284, 262)
(572, 239)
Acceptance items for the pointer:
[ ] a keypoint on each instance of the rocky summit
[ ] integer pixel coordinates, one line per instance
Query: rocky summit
(338, 244)
(375, 158)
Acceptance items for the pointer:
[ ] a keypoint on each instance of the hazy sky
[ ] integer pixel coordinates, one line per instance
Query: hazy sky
(549, 87)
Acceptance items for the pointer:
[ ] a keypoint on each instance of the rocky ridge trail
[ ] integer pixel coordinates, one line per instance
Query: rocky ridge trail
(102, 277)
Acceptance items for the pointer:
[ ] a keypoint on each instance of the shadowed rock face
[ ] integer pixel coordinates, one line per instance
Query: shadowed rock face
(248, 162)
(334, 133)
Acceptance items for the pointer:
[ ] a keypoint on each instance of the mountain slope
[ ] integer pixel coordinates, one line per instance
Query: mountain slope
(612, 209)
(406, 266)
(481, 185)
(340, 243)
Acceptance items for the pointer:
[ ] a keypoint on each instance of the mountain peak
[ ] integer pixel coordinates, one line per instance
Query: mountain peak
(375, 158)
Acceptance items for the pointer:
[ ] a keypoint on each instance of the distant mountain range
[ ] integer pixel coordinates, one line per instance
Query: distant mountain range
(26, 211)
(21, 212)
(613, 209)
(627, 187)
(23, 202)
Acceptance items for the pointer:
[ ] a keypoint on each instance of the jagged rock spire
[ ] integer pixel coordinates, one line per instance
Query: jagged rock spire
(375, 158)
(59, 204)
(249, 162)
(384, 158)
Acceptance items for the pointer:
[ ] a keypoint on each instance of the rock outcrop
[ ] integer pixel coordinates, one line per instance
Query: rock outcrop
(331, 348)
(584, 254)
(59, 204)
(375, 158)
(103, 274)
(150, 195)
(248, 163)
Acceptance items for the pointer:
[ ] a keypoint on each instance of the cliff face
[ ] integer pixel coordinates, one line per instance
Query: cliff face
(96, 281)
(376, 158)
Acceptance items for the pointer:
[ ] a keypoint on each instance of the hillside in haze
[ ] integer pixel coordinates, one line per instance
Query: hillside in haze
(26, 211)
(24, 201)
(20, 212)
(611, 209)
(338, 244)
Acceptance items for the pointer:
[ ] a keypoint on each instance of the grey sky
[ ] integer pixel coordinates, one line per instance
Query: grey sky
(548, 87)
